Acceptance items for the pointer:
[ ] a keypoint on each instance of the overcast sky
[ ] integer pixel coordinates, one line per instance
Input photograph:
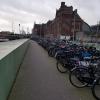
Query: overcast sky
(26, 12)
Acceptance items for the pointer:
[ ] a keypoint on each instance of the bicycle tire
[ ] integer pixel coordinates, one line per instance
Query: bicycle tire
(50, 53)
(61, 68)
(77, 73)
(96, 89)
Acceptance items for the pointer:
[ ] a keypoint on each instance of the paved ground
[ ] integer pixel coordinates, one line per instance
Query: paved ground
(39, 79)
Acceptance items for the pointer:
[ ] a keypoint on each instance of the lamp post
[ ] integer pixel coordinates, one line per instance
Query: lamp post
(40, 30)
(74, 29)
(19, 28)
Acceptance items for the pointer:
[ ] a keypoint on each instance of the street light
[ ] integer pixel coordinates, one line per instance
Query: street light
(74, 29)
(40, 30)
(19, 28)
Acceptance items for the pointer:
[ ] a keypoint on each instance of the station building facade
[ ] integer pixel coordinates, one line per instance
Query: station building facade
(66, 22)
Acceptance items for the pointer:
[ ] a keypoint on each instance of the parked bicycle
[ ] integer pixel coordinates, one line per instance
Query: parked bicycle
(84, 75)
(96, 89)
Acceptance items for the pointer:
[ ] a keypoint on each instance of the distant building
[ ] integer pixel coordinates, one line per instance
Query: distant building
(93, 36)
(66, 22)
(96, 29)
(4, 34)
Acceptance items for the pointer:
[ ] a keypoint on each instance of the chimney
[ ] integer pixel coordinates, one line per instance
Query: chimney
(75, 10)
(62, 4)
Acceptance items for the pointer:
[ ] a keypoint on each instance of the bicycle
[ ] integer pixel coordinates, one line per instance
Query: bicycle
(83, 76)
(65, 62)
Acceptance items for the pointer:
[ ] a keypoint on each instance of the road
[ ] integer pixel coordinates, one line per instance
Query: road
(38, 79)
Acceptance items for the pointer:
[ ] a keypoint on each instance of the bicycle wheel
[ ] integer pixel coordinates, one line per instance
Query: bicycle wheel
(50, 53)
(77, 77)
(96, 89)
(61, 67)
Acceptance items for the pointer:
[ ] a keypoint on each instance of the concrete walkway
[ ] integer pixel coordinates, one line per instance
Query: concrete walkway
(39, 79)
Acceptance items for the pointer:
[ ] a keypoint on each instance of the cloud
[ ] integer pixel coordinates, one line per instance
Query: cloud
(26, 12)
(88, 10)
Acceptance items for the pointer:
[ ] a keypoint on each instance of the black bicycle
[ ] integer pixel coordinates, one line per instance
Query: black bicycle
(83, 75)
(96, 89)
(61, 64)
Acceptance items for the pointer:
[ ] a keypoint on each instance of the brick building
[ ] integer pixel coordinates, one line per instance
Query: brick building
(66, 22)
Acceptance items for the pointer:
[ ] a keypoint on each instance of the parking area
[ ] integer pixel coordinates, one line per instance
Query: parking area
(39, 79)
